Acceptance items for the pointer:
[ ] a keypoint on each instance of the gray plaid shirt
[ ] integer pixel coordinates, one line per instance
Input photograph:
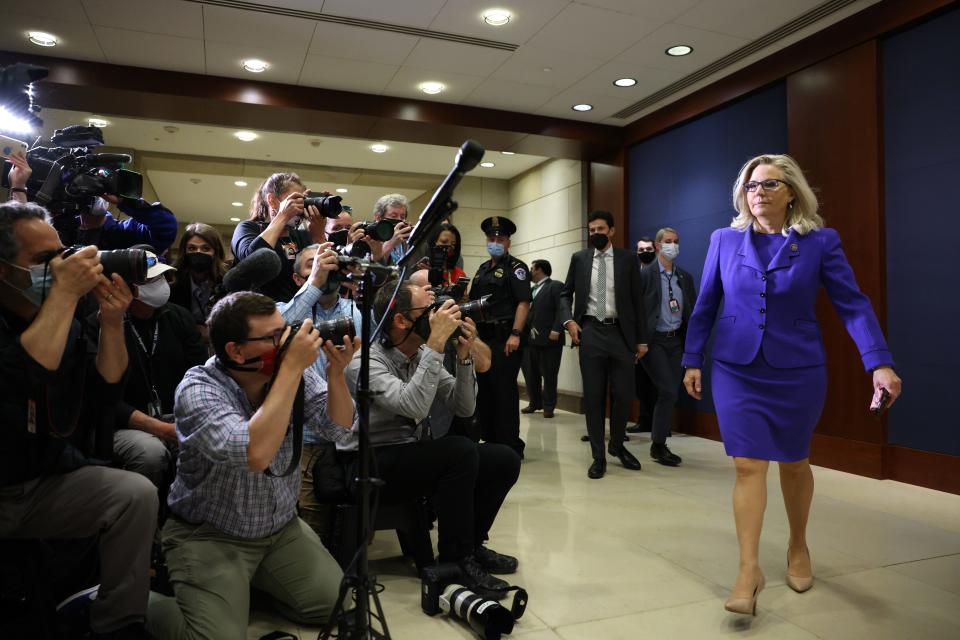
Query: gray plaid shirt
(214, 483)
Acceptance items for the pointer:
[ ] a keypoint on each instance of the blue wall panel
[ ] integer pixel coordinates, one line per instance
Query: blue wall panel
(921, 100)
(683, 178)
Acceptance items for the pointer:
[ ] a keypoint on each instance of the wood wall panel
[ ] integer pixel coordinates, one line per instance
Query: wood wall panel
(606, 190)
(834, 133)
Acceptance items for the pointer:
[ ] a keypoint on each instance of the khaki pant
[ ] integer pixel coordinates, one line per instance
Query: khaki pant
(212, 572)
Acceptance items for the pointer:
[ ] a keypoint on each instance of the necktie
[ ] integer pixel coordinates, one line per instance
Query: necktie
(601, 287)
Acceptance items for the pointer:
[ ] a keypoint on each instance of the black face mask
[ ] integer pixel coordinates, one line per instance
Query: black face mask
(421, 326)
(338, 238)
(646, 257)
(198, 261)
(599, 240)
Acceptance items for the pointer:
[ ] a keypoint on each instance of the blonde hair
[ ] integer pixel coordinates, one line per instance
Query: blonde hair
(801, 212)
(665, 231)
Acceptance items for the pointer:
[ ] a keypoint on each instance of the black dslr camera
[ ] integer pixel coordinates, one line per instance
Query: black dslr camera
(129, 264)
(381, 230)
(441, 591)
(333, 329)
(328, 205)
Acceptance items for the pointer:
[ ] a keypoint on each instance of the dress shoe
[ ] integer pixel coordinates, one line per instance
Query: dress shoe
(493, 562)
(548, 413)
(662, 454)
(746, 606)
(584, 438)
(798, 583)
(597, 469)
(529, 409)
(479, 580)
(626, 458)
(637, 428)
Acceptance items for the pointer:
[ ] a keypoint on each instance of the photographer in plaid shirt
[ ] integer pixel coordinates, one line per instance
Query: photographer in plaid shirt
(232, 526)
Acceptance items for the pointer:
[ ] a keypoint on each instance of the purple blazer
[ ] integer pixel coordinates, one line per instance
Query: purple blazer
(773, 307)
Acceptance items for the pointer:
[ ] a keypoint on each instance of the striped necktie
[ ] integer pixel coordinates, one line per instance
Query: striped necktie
(602, 286)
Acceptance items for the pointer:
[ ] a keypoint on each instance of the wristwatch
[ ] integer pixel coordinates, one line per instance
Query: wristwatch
(515, 332)
(467, 362)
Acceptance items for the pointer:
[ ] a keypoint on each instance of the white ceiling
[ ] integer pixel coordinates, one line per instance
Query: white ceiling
(570, 51)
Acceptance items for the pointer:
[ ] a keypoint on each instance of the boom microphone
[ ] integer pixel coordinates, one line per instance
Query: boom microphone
(254, 271)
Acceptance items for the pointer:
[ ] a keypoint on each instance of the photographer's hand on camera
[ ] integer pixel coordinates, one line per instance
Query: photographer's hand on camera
(400, 234)
(443, 322)
(324, 262)
(18, 176)
(303, 349)
(356, 232)
(467, 340)
(76, 275)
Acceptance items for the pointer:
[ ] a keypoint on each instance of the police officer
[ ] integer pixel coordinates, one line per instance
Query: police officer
(507, 281)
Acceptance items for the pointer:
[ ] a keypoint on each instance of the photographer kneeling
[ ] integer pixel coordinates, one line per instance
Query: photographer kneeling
(468, 482)
(233, 520)
(56, 400)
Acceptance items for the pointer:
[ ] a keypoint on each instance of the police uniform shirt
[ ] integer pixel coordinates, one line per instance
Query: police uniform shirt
(507, 281)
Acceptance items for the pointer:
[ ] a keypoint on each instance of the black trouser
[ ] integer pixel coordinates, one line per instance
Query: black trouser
(605, 358)
(468, 483)
(498, 398)
(662, 363)
(541, 364)
(647, 395)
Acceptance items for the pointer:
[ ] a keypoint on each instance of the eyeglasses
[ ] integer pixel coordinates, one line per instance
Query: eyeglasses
(274, 337)
(768, 185)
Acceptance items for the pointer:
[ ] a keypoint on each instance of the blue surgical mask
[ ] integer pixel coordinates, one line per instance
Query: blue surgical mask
(41, 280)
(495, 249)
(670, 250)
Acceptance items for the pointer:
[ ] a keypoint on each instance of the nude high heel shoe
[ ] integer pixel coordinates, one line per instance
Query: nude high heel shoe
(746, 606)
(798, 583)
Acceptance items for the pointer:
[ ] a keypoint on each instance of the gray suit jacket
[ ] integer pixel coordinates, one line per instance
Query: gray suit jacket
(626, 286)
(653, 292)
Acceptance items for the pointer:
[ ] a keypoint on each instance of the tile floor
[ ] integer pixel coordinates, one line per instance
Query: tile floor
(651, 554)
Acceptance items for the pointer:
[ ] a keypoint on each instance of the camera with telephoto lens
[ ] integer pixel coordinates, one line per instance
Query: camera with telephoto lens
(381, 230)
(474, 309)
(333, 329)
(441, 591)
(328, 205)
(67, 176)
(129, 264)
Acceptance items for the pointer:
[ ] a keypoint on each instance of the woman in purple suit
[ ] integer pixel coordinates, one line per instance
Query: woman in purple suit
(769, 365)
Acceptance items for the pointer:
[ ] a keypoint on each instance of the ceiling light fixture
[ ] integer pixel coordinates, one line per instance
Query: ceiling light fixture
(497, 17)
(679, 50)
(100, 123)
(240, 183)
(431, 88)
(625, 82)
(234, 219)
(341, 190)
(379, 148)
(508, 153)
(42, 38)
(582, 107)
(245, 136)
(487, 165)
(253, 65)
(237, 204)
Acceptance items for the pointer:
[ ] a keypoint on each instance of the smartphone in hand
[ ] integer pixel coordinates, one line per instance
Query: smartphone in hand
(881, 400)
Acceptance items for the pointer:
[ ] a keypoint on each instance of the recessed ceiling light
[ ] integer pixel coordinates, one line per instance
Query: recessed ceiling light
(97, 122)
(432, 88)
(253, 65)
(234, 219)
(508, 153)
(240, 183)
(487, 165)
(497, 17)
(237, 204)
(246, 136)
(679, 50)
(625, 82)
(379, 148)
(42, 38)
(341, 190)
(582, 107)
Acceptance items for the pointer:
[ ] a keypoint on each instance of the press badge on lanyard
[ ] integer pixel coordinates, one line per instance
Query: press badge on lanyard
(674, 306)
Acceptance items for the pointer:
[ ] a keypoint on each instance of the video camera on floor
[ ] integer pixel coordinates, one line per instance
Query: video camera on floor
(441, 592)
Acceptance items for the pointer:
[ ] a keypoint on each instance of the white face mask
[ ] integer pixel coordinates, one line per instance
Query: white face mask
(154, 293)
(670, 251)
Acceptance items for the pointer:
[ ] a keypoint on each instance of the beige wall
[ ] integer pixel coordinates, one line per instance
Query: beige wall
(546, 204)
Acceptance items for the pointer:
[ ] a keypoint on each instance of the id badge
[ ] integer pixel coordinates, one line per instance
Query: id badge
(153, 407)
(674, 306)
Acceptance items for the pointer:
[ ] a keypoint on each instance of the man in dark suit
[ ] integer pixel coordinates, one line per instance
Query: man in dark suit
(668, 298)
(646, 390)
(607, 322)
(541, 362)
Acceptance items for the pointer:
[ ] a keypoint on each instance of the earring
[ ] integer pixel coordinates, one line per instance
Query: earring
(790, 205)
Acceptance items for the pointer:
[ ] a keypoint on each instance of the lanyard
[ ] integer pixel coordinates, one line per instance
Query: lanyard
(156, 333)
(669, 283)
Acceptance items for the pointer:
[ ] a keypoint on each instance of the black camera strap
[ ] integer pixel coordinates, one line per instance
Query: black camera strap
(296, 417)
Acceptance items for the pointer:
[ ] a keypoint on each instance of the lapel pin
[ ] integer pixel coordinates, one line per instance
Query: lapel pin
(794, 248)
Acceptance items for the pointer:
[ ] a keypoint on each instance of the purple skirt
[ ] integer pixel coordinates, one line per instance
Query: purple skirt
(768, 413)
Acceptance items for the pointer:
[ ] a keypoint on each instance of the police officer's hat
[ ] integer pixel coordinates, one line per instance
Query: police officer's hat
(498, 226)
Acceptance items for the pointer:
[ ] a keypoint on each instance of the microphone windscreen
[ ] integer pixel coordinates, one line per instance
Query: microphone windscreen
(470, 155)
(254, 271)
